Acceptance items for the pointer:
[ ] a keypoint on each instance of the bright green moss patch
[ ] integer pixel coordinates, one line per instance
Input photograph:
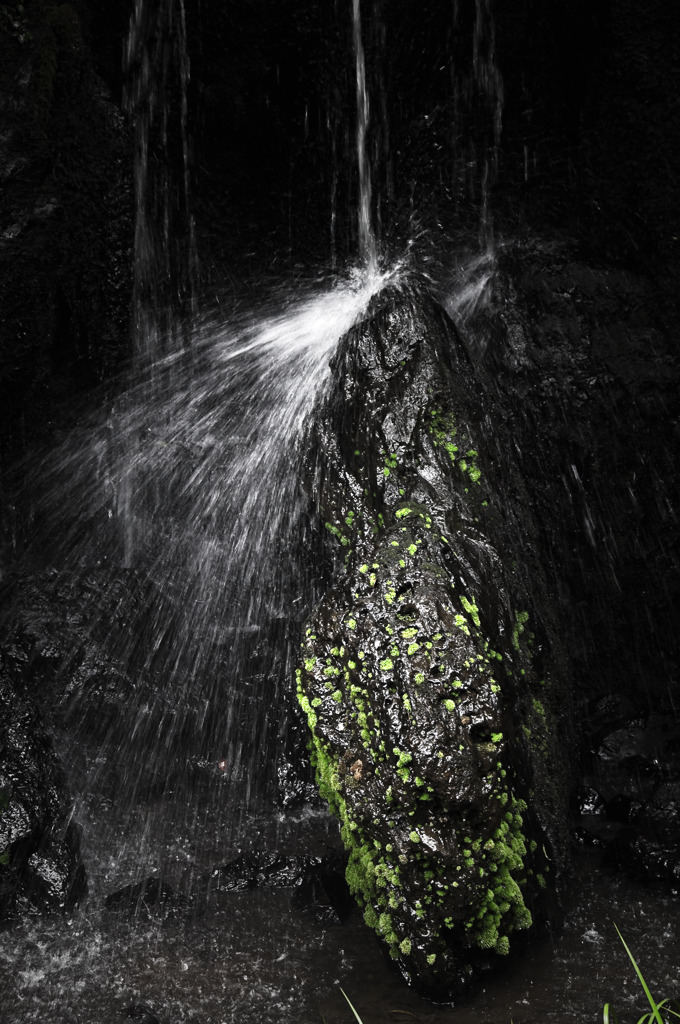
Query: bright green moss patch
(502, 909)
(337, 533)
(472, 610)
(521, 619)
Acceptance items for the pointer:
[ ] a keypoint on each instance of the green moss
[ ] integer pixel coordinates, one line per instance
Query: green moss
(502, 909)
(521, 619)
(344, 540)
(472, 610)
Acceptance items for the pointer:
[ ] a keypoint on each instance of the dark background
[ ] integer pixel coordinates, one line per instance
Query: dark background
(591, 126)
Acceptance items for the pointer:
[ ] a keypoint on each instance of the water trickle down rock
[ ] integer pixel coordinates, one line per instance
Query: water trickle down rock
(433, 731)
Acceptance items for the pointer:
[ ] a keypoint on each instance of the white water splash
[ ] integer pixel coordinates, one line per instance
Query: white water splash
(195, 486)
(470, 288)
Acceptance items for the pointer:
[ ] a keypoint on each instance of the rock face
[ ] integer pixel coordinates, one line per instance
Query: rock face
(422, 674)
(583, 356)
(40, 867)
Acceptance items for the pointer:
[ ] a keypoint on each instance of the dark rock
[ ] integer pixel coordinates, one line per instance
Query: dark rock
(585, 360)
(317, 882)
(258, 871)
(279, 871)
(55, 625)
(78, 642)
(422, 672)
(588, 801)
(40, 866)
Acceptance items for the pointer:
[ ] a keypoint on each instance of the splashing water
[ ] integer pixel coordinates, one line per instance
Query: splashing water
(195, 489)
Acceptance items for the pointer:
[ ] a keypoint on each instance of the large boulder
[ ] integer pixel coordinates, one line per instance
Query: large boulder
(423, 673)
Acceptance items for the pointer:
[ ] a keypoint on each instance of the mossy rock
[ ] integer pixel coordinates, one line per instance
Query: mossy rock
(416, 673)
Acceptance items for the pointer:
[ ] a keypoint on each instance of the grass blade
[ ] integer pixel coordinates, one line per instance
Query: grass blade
(352, 1008)
(667, 1009)
(655, 1009)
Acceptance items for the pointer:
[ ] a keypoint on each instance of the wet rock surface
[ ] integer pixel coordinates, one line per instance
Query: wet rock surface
(422, 679)
(40, 864)
(585, 361)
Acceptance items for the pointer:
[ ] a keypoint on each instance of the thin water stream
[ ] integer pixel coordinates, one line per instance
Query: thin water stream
(158, 72)
(368, 250)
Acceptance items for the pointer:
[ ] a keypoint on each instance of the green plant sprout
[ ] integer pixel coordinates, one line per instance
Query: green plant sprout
(654, 1014)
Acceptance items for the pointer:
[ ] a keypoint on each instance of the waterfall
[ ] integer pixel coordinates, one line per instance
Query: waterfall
(478, 107)
(367, 241)
(158, 72)
(163, 297)
(489, 83)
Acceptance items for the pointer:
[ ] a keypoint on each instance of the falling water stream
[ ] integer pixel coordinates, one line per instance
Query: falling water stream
(158, 72)
(367, 241)
(187, 495)
(478, 104)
